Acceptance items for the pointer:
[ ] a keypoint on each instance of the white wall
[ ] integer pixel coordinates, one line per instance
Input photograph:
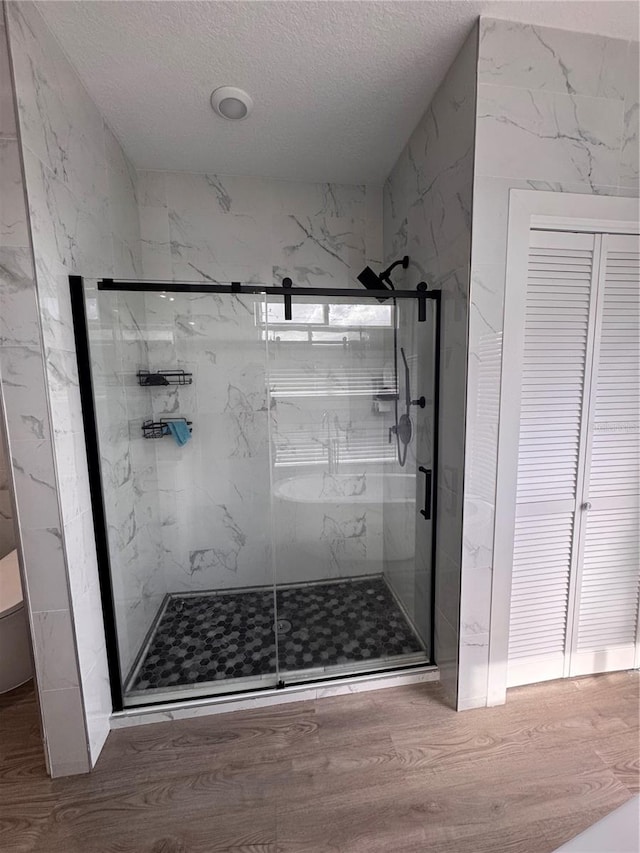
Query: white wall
(557, 111)
(427, 215)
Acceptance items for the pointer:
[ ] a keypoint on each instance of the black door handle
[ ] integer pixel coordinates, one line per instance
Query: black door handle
(426, 512)
(287, 284)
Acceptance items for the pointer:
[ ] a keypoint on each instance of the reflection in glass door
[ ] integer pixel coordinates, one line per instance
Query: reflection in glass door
(351, 398)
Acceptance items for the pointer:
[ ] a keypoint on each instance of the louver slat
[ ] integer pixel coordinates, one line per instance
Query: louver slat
(609, 589)
(608, 605)
(553, 370)
(561, 317)
(556, 326)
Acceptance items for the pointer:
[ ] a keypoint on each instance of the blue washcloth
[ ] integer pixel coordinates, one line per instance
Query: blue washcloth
(180, 432)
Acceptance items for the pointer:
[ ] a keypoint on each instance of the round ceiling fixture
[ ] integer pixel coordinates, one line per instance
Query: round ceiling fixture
(231, 103)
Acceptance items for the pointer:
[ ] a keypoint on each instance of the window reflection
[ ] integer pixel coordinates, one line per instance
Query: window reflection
(345, 316)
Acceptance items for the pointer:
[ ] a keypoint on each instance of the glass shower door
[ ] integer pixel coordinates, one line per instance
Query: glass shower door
(266, 485)
(351, 479)
(188, 525)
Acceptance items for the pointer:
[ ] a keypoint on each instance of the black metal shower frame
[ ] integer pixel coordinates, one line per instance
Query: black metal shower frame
(85, 380)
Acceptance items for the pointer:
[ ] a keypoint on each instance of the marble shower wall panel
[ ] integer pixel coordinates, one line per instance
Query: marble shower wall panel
(119, 349)
(197, 227)
(557, 111)
(83, 212)
(213, 493)
(427, 215)
(123, 209)
(328, 524)
(143, 576)
(31, 463)
(209, 227)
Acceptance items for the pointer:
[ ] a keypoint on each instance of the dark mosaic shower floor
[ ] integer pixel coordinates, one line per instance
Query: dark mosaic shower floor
(214, 636)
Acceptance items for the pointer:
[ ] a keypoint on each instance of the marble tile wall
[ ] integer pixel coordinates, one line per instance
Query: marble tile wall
(557, 111)
(197, 227)
(427, 215)
(214, 493)
(211, 227)
(329, 524)
(23, 384)
(83, 220)
(128, 464)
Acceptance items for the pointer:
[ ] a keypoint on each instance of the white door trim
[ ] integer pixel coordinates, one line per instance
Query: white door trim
(529, 209)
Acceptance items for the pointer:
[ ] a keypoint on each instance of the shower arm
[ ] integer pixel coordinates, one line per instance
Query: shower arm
(386, 274)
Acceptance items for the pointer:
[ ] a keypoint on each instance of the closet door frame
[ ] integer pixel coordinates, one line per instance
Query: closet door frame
(529, 209)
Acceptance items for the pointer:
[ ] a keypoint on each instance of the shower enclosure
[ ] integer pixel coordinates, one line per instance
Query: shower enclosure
(255, 525)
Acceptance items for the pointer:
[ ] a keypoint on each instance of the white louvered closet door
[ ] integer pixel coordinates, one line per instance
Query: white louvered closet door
(559, 331)
(574, 601)
(606, 608)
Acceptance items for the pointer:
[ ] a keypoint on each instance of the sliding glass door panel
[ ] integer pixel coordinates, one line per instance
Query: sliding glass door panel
(182, 409)
(266, 473)
(348, 434)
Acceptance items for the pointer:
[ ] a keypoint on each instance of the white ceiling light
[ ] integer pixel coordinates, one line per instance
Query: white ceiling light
(231, 103)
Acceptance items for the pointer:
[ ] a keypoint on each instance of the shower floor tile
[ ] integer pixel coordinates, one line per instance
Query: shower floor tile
(216, 636)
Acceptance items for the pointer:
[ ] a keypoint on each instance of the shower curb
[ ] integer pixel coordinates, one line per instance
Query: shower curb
(295, 693)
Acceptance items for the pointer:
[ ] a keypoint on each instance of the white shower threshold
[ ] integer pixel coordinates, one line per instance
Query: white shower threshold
(162, 712)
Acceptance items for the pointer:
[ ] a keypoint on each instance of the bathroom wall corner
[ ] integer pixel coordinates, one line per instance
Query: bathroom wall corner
(427, 215)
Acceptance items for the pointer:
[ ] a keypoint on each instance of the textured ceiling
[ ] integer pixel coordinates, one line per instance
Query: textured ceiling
(338, 86)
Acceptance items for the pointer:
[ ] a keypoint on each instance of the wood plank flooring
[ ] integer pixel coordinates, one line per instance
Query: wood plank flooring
(395, 771)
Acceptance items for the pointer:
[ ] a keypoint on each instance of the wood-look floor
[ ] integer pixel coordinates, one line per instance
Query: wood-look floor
(394, 771)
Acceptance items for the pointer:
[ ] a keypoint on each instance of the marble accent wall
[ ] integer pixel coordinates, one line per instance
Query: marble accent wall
(329, 523)
(116, 324)
(211, 227)
(23, 384)
(83, 219)
(199, 227)
(427, 215)
(557, 111)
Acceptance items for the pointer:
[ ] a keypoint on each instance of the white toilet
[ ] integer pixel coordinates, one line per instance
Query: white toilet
(15, 654)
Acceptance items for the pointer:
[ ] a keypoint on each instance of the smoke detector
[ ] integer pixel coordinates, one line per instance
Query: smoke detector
(231, 103)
